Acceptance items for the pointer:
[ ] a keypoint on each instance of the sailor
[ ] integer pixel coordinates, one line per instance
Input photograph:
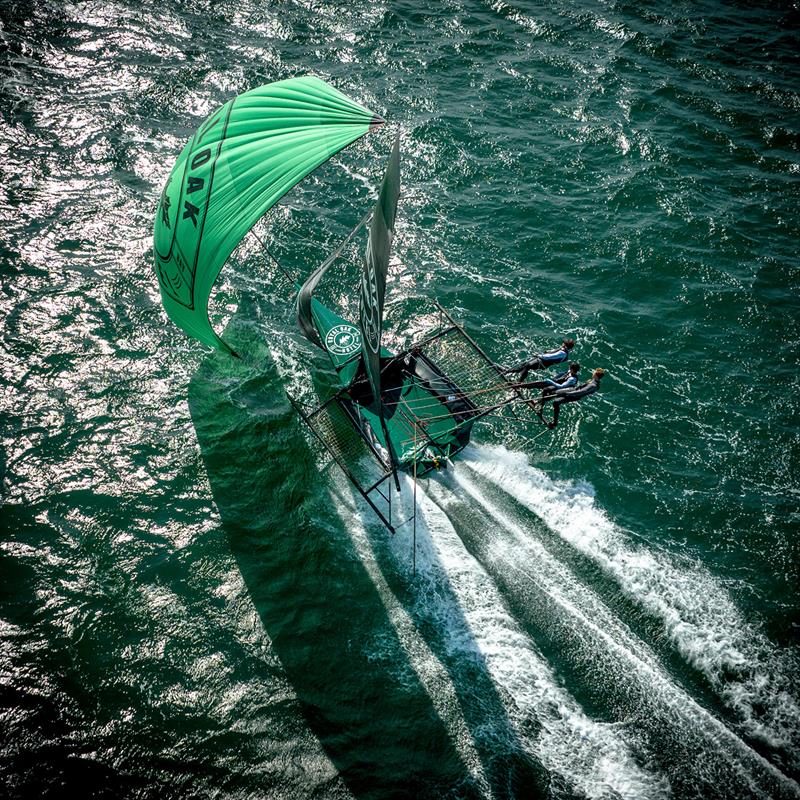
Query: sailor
(561, 396)
(566, 380)
(544, 360)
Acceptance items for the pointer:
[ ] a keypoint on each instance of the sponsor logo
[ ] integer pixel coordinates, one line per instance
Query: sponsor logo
(370, 311)
(343, 340)
(183, 208)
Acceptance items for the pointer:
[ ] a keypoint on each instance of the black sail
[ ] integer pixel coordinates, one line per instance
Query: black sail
(375, 268)
(305, 318)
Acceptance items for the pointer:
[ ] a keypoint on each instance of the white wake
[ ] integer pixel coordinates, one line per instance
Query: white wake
(696, 612)
(453, 591)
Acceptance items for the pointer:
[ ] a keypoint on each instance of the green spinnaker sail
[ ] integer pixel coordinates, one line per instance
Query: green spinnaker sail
(239, 163)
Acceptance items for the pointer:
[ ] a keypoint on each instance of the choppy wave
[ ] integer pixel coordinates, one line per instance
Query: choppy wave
(624, 172)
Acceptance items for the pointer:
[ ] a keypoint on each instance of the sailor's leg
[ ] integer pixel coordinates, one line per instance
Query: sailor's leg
(556, 408)
(534, 363)
(548, 394)
(512, 370)
(538, 403)
(524, 368)
(533, 385)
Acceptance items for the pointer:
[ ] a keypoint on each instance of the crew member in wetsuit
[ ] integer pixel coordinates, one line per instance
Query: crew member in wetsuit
(566, 380)
(544, 360)
(562, 396)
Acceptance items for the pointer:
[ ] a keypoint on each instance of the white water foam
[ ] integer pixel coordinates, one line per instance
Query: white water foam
(698, 615)
(453, 591)
(620, 662)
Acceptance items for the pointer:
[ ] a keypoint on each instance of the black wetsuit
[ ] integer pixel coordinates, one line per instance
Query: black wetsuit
(541, 362)
(550, 386)
(571, 396)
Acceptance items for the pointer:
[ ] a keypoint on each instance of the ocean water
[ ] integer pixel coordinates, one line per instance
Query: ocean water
(193, 605)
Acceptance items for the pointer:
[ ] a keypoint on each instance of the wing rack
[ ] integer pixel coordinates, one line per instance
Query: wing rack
(435, 392)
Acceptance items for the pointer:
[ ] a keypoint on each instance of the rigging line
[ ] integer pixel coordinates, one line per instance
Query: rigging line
(440, 348)
(449, 384)
(483, 411)
(467, 383)
(456, 376)
(460, 424)
(454, 383)
(477, 410)
(480, 367)
(533, 438)
(454, 387)
(427, 410)
(347, 239)
(404, 442)
(414, 424)
(459, 395)
(459, 359)
(467, 413)
(328, 261)
(430, 401)
(272, 257)
(513, 421)
(484, 368)
(459, 392)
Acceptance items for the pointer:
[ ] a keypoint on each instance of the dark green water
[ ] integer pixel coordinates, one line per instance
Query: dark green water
(189, 607)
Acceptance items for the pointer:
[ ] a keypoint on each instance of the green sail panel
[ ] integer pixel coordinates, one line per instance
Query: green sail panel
(239, 163)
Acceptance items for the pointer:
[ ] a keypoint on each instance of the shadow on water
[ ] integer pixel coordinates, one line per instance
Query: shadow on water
(507, 764)
(323, 613)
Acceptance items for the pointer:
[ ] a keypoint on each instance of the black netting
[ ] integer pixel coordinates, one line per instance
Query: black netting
(468, 369)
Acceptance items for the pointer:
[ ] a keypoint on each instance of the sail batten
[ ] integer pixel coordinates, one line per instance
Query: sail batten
(240, 162)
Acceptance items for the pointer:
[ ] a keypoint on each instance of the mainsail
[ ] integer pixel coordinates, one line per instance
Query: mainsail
(239, 163)
(375, 268)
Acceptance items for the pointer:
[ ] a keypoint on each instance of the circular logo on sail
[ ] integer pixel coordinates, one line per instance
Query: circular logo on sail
(343, 340)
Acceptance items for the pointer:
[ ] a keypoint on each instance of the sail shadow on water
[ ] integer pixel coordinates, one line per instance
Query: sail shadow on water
(503, 748)
(316, 602)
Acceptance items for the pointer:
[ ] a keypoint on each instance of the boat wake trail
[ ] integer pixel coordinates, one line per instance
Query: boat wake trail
(537, 662)
(488, 655)
(699, 617)
(624, 678)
